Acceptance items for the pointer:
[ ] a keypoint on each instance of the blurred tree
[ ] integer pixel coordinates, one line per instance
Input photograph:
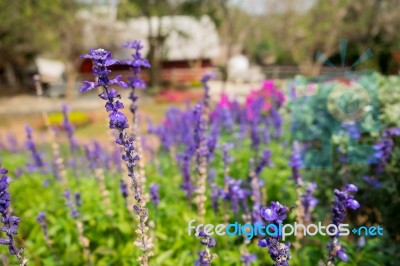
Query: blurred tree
(235, 26)
(157, 34)
(29, 28)
(304, 32)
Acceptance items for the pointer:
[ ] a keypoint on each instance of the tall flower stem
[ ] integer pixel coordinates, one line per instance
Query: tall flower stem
(201, 149)
(118, 121)
(9, 223)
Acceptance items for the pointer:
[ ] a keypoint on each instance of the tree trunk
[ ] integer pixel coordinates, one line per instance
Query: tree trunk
(71, 76)
(155, 51)
(11, 77)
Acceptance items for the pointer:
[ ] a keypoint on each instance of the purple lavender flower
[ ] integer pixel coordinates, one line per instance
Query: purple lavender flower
(206, 240)
(78, 199)
(205, 257)
(95, 155)
(117, 120)
(227, 159)
(279, 252)
(308, 201)
(69, 128)
(136, 64)
(205, 79)
(215, 195)
(124, 189)
(247, 259)
(71, 205)
(184, 161)
(41, 219)
(9, 222)
(235, 194)
(265, 161)
(277, 122)
(101, 60)
(343, 200)
(352, 130)
(116, 159)
(274, 213)
(199, 131)
(154, 196)
(37, 158)
(383, 149)
(266, 131)
(203, 260)
(135, 82)
(212, 140)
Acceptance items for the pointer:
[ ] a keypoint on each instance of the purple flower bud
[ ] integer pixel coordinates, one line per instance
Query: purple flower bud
(351, 188)
(353, 204)
(342, 255)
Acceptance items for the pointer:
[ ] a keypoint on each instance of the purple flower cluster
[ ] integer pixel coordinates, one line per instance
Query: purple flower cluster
(124, 189)
(274, 213)
(279, 252)
(227, 159)
(247, 259)
(265, 161)
(383, 149)
(69, 128)
(205, 257)
(296, 163)
(9, 222)
(72, 205)
(235, 194)
(117, 120)
(95, 155)
(308, 201)
(134, 81)
(136, 63)
(207, 240)
(154, 196)
(184, 161)
(343, 200)
(37, 157)
(101, 60)
(41, 219)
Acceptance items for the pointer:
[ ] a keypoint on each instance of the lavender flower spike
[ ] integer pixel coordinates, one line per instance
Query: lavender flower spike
(247, 259)
(154, 196)
(308, 202)
(9, 223)
(135, 82)
(205, 257)
(117, 120)
(37, 157)
(69, 129)
(342, 201)
(279, 252)
(41, 219)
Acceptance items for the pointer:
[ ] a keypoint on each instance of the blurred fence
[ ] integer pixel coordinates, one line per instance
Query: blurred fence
(284, 72)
